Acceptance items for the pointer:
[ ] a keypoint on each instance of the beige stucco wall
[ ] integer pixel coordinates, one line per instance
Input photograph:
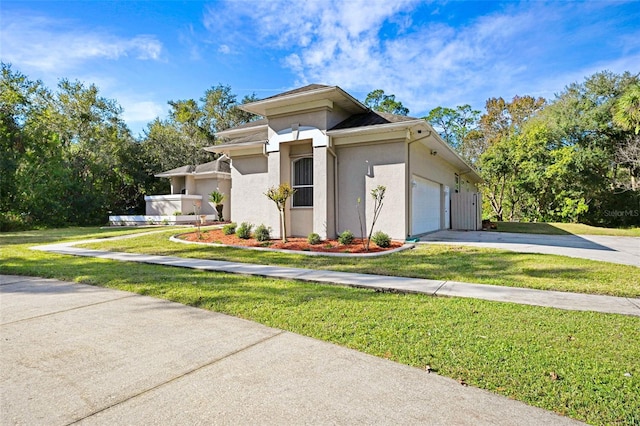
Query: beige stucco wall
(177, 184)
(168, 205)
(206, 186)
(249, 182)
(322, 119)
(360, 169)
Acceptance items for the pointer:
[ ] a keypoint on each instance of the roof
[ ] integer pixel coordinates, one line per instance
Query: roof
(298, 90)
(261, 136)
(371, 118)
(305, 96)
(221, 165)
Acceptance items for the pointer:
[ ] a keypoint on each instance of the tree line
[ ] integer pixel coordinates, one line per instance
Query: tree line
(68, 158)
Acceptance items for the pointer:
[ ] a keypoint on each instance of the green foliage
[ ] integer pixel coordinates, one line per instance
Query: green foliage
(346, 237)
(229, 228)
(313, 238)
(244, 230)
(262, 233)
(381, 239)
(68, 157)
(378, 101)
(459, 128)
(217, 197)
(627, 109)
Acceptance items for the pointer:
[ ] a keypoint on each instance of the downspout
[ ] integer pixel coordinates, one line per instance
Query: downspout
(408, 179)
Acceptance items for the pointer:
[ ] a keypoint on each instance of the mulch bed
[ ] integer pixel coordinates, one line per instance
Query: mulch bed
(294, 243)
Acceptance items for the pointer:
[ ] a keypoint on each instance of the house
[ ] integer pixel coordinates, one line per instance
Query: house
(190, 190)
(334, 150)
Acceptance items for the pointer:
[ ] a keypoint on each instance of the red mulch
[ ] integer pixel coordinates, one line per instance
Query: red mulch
(294, 243)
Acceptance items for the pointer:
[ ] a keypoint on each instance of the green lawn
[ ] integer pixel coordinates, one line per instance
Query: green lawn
(565, 229)
(580, 364)
(455, 263)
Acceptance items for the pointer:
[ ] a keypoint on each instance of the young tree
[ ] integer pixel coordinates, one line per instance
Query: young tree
(280, 195)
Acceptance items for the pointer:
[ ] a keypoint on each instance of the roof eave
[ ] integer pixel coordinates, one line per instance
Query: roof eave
(374, 128)
(233, 146)
(235, 131)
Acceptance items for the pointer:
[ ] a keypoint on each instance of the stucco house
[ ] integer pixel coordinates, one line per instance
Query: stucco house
(334, 150)
(190, 189)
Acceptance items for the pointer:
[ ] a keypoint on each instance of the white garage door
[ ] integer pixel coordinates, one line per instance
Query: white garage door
(425, 206)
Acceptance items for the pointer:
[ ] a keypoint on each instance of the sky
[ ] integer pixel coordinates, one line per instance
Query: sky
(427, 53)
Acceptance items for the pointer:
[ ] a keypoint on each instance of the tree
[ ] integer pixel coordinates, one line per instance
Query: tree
(503, 151)
(378, 101)
(582, 118)
(220, 109)
(280, 195)
(377, 194)
(627, 116)
(458, 127)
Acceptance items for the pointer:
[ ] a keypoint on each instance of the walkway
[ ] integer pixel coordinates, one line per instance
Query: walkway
(622, 250)
(554, 299)
(78, 353)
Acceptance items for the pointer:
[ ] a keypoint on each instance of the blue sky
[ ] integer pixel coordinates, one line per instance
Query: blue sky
(436, 53)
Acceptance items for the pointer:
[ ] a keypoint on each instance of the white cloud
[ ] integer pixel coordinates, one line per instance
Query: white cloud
(423, 59)
(224, 49)
(42, 44)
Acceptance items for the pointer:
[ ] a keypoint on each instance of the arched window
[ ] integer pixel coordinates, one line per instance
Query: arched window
(303, 182)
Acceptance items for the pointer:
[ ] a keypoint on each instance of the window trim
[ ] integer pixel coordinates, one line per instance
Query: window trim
(293, 183)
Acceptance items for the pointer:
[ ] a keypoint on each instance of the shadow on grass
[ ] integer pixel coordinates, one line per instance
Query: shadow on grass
(188, 286)
(531, 228)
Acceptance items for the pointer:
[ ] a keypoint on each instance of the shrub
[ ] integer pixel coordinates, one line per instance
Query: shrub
(381, 239)
(244, 230)
(346, 237)
(229, 228)
(313, 238)
(262, 233)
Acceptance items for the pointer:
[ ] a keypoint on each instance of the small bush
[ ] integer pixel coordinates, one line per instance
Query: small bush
(177, 213)
(381, 239)
(262, 233)
(229, 228)
(346, 237)
(244, 230)
(313, 238)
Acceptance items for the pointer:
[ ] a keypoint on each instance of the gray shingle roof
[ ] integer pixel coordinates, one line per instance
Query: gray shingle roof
(220, 165)
(371, 118)
(261, 136)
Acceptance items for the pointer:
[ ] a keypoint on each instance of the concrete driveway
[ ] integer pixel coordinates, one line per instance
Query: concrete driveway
(623, 250)
(76, 353)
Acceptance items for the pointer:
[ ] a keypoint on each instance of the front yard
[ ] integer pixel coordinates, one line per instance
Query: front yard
(580, 364)
(454, 263)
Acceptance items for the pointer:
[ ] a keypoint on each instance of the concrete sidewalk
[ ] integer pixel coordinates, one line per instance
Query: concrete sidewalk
(77, 353)
(554, 299)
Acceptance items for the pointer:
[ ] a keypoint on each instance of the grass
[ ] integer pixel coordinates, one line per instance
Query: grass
(565, 229)
(580, 364)
(454, 263)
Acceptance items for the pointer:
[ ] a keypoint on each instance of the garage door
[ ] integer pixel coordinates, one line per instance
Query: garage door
(425, 206)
